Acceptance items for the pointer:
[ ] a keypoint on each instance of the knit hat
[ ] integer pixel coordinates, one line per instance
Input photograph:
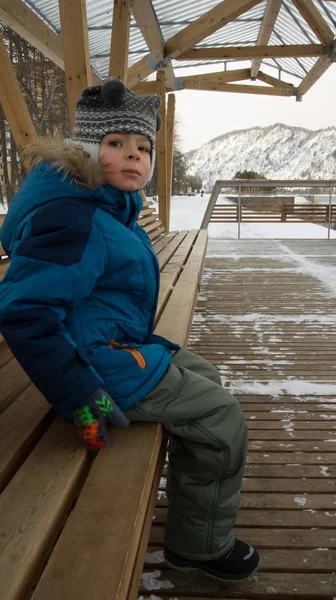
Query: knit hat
(113, 108)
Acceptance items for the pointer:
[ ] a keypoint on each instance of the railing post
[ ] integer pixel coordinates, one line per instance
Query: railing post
(211, 204)
(283, 213)
(329, 215)
(239, 209)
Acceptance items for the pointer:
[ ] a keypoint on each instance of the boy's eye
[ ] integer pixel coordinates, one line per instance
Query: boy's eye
(144, 149)
(115, 143)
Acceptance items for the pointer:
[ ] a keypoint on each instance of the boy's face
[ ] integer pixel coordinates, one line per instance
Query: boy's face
(125, 160)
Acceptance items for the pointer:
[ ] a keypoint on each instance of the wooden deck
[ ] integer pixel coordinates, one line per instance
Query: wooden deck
(266, 316)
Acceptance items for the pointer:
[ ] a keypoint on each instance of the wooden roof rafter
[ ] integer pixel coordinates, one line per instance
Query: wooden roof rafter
(145, 16)
(120, 39)
(19, 17)
(266, 28)
(221, 80)
(181, 46)
(211, 21)
(75, 50)
(320, 67)
(250, 52)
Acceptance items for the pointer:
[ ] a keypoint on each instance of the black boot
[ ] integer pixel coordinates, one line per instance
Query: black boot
(237, 564)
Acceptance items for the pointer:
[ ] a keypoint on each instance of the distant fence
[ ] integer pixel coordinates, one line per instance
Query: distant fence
(269, 208)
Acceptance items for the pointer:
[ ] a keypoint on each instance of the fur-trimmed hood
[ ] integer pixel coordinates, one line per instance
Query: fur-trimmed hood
(66, 156)
(61, 171)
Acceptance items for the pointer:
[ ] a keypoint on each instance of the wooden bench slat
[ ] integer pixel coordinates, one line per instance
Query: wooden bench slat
(171, 248)
(139, 562)
(167, 282)
(145, 212)
(21, 425)
(176, 317)
(162, 243)
(145, 221)
(101, 531)
(156, 225)
(156, 234)
(13, 380)
(34, 505)
(5, 357)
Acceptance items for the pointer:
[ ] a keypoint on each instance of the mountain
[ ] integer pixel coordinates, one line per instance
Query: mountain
(278, 152)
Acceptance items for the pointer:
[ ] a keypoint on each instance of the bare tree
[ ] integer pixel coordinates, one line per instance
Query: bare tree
(43, 87)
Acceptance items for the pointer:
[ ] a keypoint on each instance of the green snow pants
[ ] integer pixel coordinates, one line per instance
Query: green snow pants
(207, 452)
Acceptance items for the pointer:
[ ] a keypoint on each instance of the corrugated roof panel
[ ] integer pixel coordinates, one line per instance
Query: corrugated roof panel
(182, 9)
(236, 33)
(175, 15)
(328, 12)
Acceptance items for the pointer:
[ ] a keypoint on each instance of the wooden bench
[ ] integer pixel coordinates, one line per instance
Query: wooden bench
(74, 527)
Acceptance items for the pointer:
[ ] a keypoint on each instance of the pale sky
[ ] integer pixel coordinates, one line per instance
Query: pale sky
(205, 115)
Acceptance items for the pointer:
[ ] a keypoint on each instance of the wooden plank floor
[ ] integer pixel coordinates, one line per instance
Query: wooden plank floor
(266, 316)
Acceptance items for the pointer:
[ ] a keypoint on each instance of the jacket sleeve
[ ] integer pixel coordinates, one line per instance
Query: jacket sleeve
(54, 267)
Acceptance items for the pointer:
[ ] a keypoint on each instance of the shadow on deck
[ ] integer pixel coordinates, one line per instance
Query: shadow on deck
(266, 316)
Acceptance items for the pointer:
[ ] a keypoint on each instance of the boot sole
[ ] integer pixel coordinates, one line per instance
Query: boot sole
(228, 579)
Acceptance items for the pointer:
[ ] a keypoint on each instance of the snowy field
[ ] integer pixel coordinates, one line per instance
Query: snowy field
(187, 213)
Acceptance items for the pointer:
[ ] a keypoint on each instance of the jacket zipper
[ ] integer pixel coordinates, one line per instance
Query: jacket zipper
(135, 353)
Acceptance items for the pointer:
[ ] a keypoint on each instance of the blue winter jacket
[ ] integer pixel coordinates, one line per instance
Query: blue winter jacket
(78, 301)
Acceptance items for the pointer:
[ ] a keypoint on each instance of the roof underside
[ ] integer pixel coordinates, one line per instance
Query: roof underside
(174, 15)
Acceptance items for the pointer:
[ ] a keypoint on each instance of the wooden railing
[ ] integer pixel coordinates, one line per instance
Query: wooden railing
(263, 208)
(308, 213)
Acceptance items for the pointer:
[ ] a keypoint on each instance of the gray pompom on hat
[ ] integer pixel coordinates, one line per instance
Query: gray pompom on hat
(113, 108)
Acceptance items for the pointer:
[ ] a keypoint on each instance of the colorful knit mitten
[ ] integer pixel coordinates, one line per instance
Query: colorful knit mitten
(92, 419)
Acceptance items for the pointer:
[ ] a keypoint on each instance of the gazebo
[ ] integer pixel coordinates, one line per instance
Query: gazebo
(265, 318)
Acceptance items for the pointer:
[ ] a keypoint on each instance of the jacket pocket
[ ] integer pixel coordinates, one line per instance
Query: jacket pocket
(131, 350)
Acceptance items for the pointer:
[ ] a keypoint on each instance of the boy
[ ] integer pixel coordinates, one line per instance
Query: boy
(77, 308)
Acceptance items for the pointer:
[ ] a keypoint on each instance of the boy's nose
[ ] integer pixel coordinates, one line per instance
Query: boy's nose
(133, 153)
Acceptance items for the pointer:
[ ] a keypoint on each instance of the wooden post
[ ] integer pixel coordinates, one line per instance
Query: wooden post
(76, 55)
(120, 39)
(170, 150)
(161, 153)
(13, 102)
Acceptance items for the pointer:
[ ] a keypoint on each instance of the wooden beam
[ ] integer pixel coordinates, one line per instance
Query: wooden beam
(145, 16)
(217, 77)
(139, 71)
(246, 52)
(314, 74)
(237, 88)
(148, 24)
(170, 149)
(75, 51)
(315, 20)
(273, 81)
(120, 39)
(13, 102)
(19, 17)
(145, 87)
(211, 21)
(265, 32)
(161, 141)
